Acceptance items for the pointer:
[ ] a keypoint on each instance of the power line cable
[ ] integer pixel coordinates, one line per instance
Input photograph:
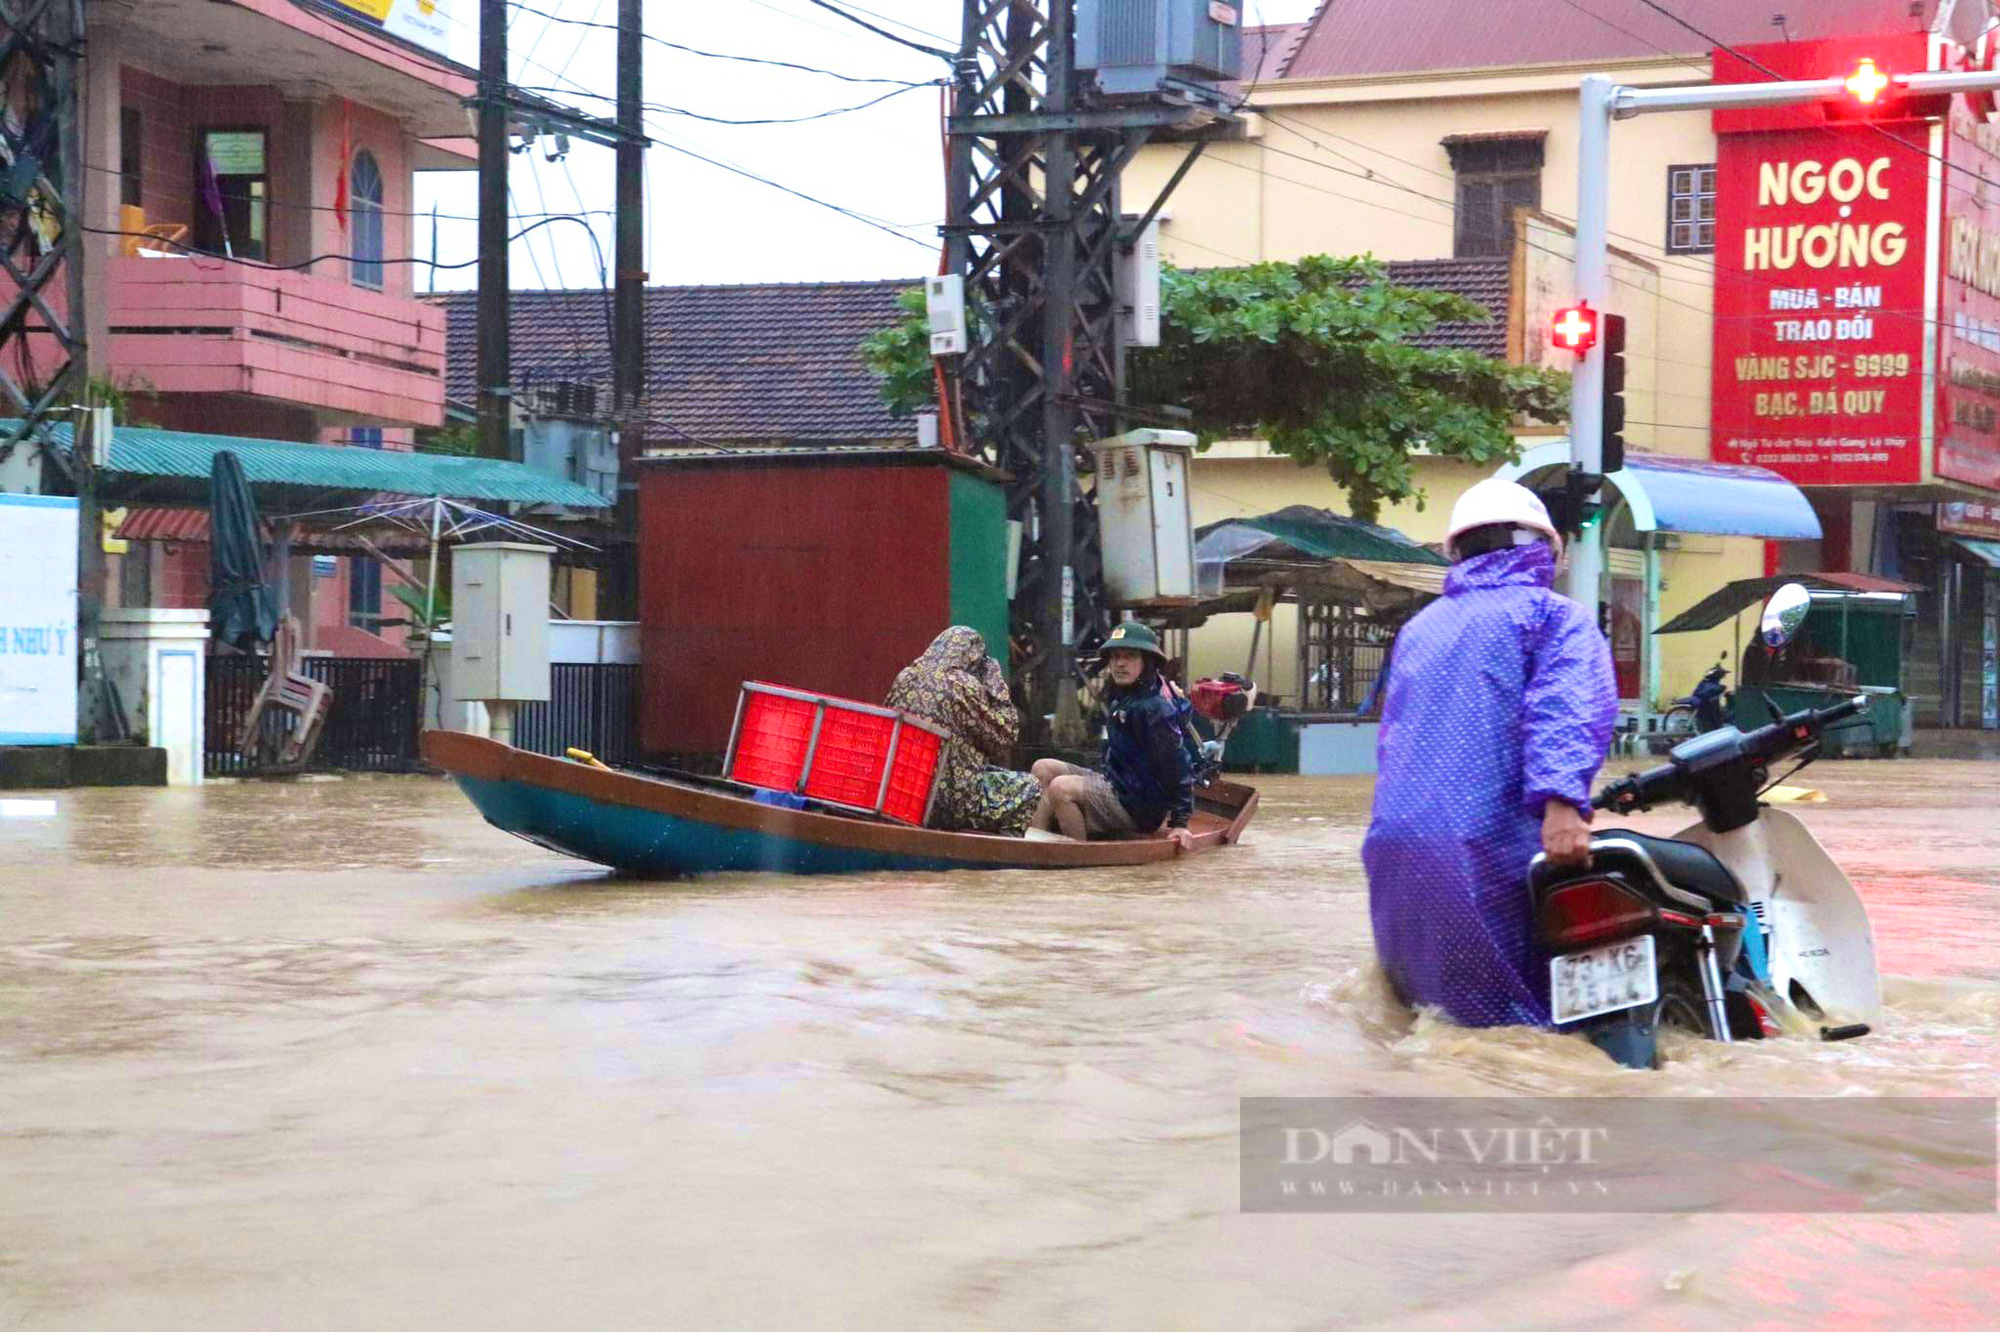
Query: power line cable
(904, 24)
(664, 109)
(278, 205)
(202, 258)
(882, 32)
(1775, 76)
(603, 276)
(724, 55)
(1713, 276)
(748, 174)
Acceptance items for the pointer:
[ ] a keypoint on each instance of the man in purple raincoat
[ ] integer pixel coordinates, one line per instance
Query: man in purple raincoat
(1499, 710)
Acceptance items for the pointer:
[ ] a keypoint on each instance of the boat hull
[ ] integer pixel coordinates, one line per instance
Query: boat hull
(659, 828)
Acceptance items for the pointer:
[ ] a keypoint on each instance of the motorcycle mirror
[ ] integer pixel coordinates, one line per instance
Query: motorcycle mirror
(1783, 614)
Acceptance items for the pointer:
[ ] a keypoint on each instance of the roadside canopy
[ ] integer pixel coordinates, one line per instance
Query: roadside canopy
(1731, 600)
(1306, 548)
(1666, 493)
(1986, 552)
(171, 467)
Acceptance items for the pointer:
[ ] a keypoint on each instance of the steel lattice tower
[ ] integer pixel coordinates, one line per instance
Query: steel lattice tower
(1034, 226)
(41, 243)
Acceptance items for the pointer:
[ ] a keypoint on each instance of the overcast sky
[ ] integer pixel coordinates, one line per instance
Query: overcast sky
(704, 224)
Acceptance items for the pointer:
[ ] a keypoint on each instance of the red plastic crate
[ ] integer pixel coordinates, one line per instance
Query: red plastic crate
(913, 775)
(775, 746)
(772, 732)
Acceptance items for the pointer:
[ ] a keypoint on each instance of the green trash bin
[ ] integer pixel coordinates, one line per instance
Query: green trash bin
(1264, 741)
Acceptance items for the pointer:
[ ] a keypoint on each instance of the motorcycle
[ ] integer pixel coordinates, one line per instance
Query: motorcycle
(1705, 710)
(1738, 927)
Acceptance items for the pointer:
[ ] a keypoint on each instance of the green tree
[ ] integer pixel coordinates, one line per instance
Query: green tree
(1322, 358)
(459, 440)
(901, 354)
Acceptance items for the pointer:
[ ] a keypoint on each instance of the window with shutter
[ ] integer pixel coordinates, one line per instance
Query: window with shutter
(1497, 173)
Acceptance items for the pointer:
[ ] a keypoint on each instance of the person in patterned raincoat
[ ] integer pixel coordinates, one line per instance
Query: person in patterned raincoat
(962, 690)
(1498, 713)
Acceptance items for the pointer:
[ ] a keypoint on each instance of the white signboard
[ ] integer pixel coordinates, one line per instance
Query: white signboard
(420, 22)
(37, 620)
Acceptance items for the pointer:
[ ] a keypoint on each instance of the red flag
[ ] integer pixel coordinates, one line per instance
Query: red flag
(346, 153)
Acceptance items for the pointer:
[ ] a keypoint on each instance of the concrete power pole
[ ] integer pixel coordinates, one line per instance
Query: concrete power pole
(628, 322)
(494, 373)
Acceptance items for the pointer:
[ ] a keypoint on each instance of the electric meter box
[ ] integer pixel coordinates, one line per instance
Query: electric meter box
(1143, 514)
(944, 309)
(500, 622)
(1135, 47)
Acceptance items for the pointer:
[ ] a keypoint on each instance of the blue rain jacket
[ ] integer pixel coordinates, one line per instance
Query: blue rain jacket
(1500, 697)
(1145, 756)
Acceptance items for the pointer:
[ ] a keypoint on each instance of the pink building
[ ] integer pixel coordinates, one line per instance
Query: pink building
(233, 145)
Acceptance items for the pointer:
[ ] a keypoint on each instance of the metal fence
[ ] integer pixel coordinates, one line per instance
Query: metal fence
(594, 707)
(1341, 654)
(370, 727)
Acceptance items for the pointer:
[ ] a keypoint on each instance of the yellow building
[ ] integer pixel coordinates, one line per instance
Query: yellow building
(1414, 131)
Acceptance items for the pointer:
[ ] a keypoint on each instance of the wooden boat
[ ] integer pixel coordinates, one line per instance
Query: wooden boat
(669, 826)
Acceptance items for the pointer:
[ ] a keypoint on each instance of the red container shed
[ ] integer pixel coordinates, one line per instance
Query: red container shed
(827, 570)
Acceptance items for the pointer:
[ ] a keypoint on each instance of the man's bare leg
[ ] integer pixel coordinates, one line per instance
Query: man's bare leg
(1062, 794)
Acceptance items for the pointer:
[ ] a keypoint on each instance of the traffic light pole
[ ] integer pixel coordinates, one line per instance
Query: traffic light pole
(1585, 575)
(1602, 101)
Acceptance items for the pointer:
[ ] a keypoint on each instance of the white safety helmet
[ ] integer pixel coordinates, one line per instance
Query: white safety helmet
(1494, 501)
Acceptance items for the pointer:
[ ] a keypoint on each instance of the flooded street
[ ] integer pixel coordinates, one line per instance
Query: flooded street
(338, 1055)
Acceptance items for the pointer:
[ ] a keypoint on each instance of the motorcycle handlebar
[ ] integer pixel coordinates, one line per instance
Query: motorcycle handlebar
(1643, 789)
(1637, 791)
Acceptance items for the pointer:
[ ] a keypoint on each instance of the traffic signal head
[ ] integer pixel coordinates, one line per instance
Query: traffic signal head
(1871, 93)
(1613, 410)
(1574, 328)
(1866, 83)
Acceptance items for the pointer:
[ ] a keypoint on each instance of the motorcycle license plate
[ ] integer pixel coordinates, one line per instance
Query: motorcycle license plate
(1603, 980)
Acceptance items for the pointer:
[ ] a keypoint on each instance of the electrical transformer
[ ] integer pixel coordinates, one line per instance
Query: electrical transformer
(1137, 47)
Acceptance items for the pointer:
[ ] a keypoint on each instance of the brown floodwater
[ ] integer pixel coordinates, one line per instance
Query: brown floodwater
(337, 1055)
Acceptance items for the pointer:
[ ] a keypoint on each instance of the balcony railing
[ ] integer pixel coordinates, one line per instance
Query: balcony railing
(190, 324)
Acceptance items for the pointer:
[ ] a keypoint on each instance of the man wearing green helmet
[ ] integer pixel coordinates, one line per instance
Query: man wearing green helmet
(1146, 780)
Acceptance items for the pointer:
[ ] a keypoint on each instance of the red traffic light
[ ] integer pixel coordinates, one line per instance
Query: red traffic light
(1574, 328)
(1866, 83)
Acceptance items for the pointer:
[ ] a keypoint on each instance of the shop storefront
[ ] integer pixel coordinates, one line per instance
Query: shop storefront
(1857, 336)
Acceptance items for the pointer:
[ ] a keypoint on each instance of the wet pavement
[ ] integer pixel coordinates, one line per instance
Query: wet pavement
(339, 1055)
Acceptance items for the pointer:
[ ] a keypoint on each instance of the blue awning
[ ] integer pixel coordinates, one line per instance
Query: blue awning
(1714, 499)
(1692, 495)
(1987, 552)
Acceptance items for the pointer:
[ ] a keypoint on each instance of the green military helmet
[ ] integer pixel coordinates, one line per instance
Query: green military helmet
(1135, 637)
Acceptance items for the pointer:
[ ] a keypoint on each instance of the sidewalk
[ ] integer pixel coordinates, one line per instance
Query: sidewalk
(1959, 744)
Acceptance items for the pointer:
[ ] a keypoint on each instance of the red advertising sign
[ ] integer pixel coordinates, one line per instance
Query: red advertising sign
(1821, 309)
(1968, 429)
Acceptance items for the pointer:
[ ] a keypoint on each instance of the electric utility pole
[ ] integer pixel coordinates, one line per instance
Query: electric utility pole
(493, 373)
(503, 111)
(1033, 225)
(628, 321)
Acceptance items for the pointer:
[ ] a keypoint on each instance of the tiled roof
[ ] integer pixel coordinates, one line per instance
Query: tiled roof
(763, 363)
(1357, 38)
(1486, 281)
(781, 363)
(1268, 49)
